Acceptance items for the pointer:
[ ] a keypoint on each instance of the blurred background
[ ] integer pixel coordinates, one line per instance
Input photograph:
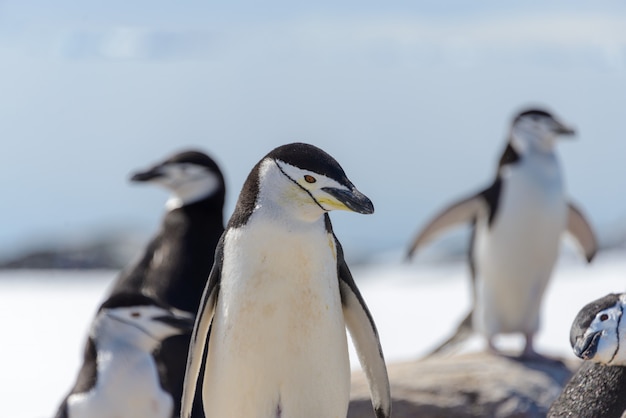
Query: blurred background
(414, 99)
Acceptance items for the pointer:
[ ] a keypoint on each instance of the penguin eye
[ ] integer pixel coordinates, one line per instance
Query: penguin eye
(604, 317)
(135, 314)
(309, 179)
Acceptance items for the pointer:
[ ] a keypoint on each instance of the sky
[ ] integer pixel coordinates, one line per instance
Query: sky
(412, 98)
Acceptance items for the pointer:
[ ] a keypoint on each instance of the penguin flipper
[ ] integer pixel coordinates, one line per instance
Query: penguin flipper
(580, 229)
(364, 335)
(463, 331)
(463, 211)
(62, 411)
(200, 333)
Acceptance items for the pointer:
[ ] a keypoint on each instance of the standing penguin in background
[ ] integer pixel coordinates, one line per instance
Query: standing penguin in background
(598, 386)
(174, 267)
(279, 298)
(517, 224)
(119, 377)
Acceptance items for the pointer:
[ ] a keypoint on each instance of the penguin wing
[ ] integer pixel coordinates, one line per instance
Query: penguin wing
(463, 211)
(365, 337)
(62, 411)
(580, 229)
(86, 379)
(463, 331)
(200, 333)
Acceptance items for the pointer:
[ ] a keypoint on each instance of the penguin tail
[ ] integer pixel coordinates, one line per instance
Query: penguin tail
(463, 331)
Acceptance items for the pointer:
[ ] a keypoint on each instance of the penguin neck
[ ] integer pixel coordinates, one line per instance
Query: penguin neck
(122, 363)
(112, 336)
(291, 217)
(532, 162)
(284, 200)
(193, 192)
(528, 143)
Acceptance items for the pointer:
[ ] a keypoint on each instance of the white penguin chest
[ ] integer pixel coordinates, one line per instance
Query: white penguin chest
(530, 218)
(278, 337)
(127, 386)
(288, 279)
(514, 256)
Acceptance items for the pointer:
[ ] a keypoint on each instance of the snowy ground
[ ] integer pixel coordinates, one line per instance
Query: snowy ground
(45, 316)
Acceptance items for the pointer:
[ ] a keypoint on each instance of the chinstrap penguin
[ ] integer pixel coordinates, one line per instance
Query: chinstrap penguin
(119, 376)
(280, 296)
(598, 330)
(597, 336)
(174, 266)
(517, 225)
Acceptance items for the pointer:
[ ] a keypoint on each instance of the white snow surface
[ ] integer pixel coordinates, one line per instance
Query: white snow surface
(46, 315)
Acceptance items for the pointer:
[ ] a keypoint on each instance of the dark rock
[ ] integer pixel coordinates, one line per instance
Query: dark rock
(105, 253)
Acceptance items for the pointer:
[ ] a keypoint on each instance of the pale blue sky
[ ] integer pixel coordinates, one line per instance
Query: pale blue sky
(412, 99)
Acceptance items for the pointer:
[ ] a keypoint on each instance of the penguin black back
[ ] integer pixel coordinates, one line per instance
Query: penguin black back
(595, 390)
(176, 263)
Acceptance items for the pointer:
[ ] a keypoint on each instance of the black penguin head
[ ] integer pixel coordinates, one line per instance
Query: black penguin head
(537, 130)
(306, 179)
(301, 180)
(189, 175)
(598, 329)
(138, 320)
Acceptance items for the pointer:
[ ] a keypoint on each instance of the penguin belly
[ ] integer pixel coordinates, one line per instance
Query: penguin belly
(514, 256)
(126, 387)
(278, 345)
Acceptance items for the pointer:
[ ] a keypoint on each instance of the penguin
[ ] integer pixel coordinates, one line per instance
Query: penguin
(119, 376)
(174, 267)
(597, 336)
(517, 223)
(280, 296)
(598, 329)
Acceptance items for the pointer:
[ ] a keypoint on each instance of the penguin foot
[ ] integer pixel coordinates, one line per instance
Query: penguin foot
(529, 352)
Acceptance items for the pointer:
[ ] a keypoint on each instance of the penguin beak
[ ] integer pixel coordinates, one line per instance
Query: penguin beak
(562, 129)
(587, 346)
(151, 174)
(351, 199)
(183, 323)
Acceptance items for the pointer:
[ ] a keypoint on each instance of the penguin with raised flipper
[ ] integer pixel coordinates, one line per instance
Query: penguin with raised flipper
(517, 226)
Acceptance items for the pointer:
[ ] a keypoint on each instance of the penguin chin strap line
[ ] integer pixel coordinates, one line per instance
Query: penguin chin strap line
(300, 186)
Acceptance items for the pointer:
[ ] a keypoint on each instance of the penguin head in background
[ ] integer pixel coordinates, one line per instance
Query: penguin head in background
(190, 176)
(598, 329)
(138, 321)
(305, 182)
(537, 130)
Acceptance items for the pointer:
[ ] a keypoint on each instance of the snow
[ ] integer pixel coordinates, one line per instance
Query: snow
(46, 314)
